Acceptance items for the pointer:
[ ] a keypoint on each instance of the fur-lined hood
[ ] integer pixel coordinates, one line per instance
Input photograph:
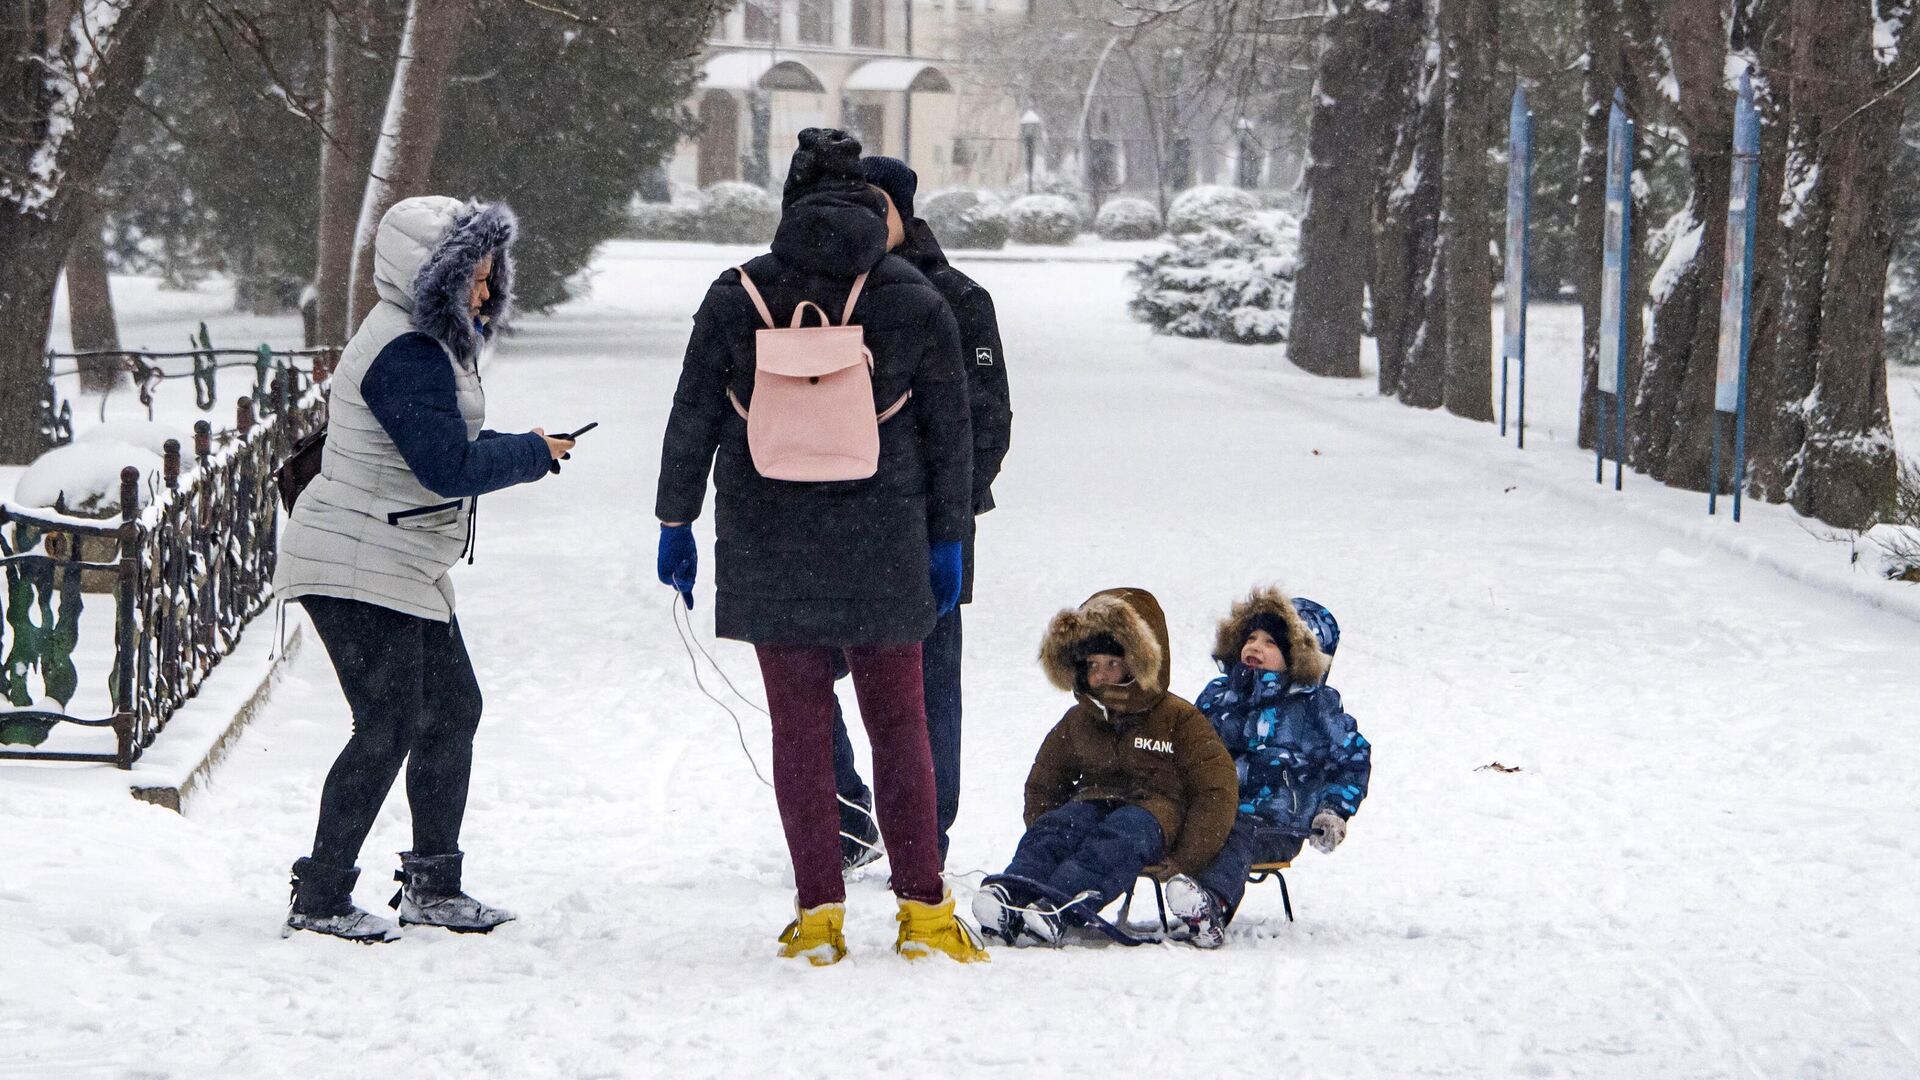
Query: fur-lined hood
(425, 252)
(1307, 662)
(1131, 617)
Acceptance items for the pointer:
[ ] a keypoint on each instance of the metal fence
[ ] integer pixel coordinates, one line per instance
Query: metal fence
(186, 573)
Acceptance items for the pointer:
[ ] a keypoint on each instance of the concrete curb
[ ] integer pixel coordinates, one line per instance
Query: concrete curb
(174, 795)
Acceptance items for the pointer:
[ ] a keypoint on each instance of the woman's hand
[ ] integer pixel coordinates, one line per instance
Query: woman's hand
(557, 447)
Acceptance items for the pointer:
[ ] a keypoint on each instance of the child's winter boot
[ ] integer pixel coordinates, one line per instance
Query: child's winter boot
(322, 902)
(926, 929)
(430, 896)
(859, 833)
(815, 934)
(996, 913)
(1196, 911)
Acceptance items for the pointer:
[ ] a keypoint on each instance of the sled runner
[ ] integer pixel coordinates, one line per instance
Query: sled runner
(1118, 933)
(1256, 874)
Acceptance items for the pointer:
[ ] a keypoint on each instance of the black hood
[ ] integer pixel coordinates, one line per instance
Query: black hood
(920, 248)
(835, 230)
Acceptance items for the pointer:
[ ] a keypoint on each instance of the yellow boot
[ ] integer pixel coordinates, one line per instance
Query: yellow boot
(816, 935)
(927, 929)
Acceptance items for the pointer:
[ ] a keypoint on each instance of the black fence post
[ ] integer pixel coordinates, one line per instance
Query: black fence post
(125, 723)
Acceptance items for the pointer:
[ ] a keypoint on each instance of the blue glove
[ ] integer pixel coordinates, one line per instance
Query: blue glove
(945, 574)
(679, 560)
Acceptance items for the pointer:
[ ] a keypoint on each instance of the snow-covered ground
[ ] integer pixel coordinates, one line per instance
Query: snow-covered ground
(1704, 867)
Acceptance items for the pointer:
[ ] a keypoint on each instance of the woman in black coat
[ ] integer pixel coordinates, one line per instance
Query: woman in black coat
(807, 570)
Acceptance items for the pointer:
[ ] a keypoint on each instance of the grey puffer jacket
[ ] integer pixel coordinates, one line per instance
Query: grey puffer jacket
(367, 528)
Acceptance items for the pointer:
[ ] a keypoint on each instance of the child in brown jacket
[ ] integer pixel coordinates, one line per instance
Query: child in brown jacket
(1131, 777)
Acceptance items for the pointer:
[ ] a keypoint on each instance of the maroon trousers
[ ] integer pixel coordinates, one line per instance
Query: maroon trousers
(888, 684)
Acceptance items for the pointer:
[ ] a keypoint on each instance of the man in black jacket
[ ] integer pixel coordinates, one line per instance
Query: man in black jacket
(992, 412)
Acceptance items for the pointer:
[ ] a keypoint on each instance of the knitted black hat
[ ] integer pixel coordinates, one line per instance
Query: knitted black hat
(1276, 628)
(892, 176)
(1101, 644)
(826, 158)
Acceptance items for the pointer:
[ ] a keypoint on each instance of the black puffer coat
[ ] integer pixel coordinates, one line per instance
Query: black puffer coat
(985, 361)
(841, 563)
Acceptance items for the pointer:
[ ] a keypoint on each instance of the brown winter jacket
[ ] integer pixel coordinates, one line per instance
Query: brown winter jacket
(1137, 743)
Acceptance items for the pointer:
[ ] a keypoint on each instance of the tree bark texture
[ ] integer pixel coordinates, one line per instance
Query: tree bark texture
(1673, 415)
(90, 306)
(53, 146)
(1831, 434)
(1349, 142)
(343, 172)
(409, 130)
(1407, 221)
(1469, 37)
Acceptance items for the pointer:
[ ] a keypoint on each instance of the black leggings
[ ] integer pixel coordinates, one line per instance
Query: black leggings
(414, 700)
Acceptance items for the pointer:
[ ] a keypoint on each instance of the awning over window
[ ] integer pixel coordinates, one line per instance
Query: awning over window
(916, 75)
(758, 71)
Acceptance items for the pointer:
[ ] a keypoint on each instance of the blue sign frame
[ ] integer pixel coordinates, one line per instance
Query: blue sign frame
(1519, 212)
(1611, 379)
(1736, 294)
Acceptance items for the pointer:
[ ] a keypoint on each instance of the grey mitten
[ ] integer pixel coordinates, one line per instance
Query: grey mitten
(1329, 829)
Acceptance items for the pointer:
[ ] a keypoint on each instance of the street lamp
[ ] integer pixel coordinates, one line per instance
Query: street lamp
(1029, 137)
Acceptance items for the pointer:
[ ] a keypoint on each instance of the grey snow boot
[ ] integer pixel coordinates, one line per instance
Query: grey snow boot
(430, 896)
(322, 902)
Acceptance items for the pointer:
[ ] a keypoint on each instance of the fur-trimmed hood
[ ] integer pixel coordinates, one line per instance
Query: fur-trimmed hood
(1129, 616)
(1307, 662)
(425, 252)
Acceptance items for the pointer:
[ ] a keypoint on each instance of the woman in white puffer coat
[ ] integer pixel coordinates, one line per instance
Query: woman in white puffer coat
(368, 545)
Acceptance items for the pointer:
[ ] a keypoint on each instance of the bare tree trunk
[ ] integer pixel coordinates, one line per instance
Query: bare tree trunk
(58, 124)
(1673, 409)
(410, 130)
(1759, 30)
(90, 316)
(343, 173)
(1832, 434)
(1407, 212)
(1348, 143)
(1469, 40)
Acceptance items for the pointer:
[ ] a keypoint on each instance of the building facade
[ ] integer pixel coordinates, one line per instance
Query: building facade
(882, 69)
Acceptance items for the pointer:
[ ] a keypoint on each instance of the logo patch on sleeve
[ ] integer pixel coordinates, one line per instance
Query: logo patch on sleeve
(983, 356)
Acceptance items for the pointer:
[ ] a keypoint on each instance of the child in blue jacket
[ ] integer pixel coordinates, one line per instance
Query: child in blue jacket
(1303, 764)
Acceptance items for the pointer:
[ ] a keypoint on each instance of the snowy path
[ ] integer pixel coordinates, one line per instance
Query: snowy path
(1705, 868)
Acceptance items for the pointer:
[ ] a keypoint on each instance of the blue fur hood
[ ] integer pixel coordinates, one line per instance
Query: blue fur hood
(425, 252)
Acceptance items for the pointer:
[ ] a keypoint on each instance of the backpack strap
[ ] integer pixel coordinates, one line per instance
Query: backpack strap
(760, 302)
(853, 297)
(894, 409)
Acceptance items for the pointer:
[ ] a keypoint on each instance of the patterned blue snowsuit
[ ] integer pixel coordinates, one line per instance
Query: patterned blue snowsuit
(1297, 753)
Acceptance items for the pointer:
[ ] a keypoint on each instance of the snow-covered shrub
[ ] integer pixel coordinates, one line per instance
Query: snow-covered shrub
(1898, 535)
(738, 213)
(144, 434)
(1066, 187)
(965, 219)
(1209, 207)
(665, 221)
(83, 478)
(1044, 219)
(1128, 219)
(1233, 285)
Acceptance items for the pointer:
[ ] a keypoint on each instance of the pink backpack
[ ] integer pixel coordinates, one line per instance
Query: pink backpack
(812, 417)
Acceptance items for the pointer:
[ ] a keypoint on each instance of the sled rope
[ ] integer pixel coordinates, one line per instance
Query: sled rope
(689, 640)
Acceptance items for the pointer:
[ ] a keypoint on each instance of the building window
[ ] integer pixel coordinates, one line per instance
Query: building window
(867, 122)
(869, 24)
(763, 20)
(816, 22)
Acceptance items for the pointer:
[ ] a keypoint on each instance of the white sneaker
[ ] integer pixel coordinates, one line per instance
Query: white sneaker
(1196, 910)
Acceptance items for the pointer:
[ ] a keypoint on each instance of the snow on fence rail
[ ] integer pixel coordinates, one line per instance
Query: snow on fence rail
(187, 573)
